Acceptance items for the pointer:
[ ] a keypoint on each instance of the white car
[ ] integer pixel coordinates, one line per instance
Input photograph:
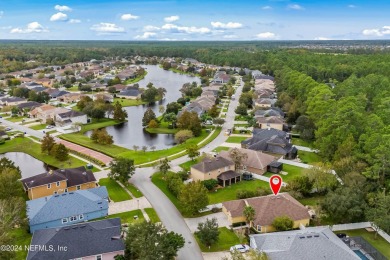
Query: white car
(240, 248)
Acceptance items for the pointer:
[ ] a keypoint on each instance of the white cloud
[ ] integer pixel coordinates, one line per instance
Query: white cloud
(107, 28)
(321, 39)
(1, 14)
(385, 30)
(184, 29)
(59, 17)
(352, 6)
(62, 8)
(151, 28)
(168, 39)
(74, 21)
(266, 35)
(295, 7)
(267, 7)
(229, 25)
(127, 17)
(230, 36)
(171, 19)
(33, 27)
(146, 35)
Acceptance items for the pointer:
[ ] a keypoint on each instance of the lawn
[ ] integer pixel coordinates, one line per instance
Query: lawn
(229, 192)
(152, 215)
(236, 139)
(380, 244)
(136, 193)
(312, 201)
(293, 172)
(162, 185)
(38, 127)
(226, 239)
(26, 145)
(129, 102)
(135, 80)
(15, 119)
(115, 191)
(221, 148)
(127, 217)
(162, 130)
(300, 142)
(21, 237)
(309, 158)
(187, 165)
(98, 124)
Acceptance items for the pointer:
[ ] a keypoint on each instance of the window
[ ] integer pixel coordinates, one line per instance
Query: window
(99, 257)
(226, 168)
(78, 187)
(49, 186)
(81, 217)
(72, 218)
(58, 183)
(66, 190)
(64, 220)
(259, 228)
(55, 193)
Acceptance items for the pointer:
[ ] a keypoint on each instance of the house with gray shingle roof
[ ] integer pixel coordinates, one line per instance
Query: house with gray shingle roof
(307, 243)
(92, 240)
(67, 208)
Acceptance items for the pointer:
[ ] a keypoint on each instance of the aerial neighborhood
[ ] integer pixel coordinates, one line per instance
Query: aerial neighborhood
(153, 157)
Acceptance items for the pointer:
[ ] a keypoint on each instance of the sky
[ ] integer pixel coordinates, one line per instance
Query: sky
(195, 20)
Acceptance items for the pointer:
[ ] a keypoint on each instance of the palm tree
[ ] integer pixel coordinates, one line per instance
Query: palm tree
(161, 92)
(249, 213)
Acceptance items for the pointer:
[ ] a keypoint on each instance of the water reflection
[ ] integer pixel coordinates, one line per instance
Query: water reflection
(28, 165)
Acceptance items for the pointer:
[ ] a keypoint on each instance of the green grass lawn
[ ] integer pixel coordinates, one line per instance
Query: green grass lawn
(115, 191)
(221, 148)
(229, 192)
(380, 244)
(129, 102)
(309, 158)
(38, 127)
(300, 142)
(162, 130)
(162, 185)
(241, 125)
(127, 217)
(73, 88)
(135, 80)
(26, 145)
(136, 193)
(16, 119)
(187, 165)
(236, 139)
(293, 172)
(312, 201)
(98, 124)
(226, 239)
(152, 215)
(21, 237)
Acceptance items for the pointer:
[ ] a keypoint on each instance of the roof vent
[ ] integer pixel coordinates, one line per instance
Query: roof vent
(84, 173)
(309, 236)
(83, 226)
(67, 228)
(75, 227)
(63, 194)
(71, 192)
(50, 172)
(317, 235)
(115, 238)
(62, 170)
(55, 196)
(301, 237)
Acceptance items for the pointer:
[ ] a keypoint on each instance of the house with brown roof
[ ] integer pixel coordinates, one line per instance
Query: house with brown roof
(46, 112)
(256, 162)
(70, 97)
(271, 122)
(106, 97)
(59, 181)
(267, 208)
(218, 168)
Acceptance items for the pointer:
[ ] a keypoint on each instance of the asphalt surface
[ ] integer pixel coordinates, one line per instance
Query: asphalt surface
(169, 215)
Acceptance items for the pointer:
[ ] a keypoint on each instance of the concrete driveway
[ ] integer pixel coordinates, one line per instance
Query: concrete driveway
(128, 205)
(216, 255)
(222, 220)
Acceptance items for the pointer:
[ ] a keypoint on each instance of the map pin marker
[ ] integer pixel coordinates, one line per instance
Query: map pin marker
(275, 182)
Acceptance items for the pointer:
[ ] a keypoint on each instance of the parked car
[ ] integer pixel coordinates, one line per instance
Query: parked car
(49, 126)
(8, 129)
(240, 248)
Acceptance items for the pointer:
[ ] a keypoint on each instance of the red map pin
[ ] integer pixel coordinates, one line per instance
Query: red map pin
(275, 182)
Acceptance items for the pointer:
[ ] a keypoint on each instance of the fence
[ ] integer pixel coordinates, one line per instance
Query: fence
(360, 225)
(368, 248)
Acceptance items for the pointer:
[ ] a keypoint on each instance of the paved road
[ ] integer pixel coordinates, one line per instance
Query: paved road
(169, 215)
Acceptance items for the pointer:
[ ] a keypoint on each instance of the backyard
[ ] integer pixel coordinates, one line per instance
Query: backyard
(309, 157)
(115, 191)
(226, 239)
(129, 102)
(236, 139)
(292, 171)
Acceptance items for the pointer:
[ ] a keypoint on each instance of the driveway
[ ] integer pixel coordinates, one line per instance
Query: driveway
(128, 205)
(222, 220)
(216, 255)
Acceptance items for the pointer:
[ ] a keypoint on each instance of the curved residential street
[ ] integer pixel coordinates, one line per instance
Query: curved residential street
(169, 215)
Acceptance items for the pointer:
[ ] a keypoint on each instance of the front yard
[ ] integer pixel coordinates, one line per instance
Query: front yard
(226, 239)
(236, 139)
(115, 191)
(129, 102)
(152, 215)
(127, 217)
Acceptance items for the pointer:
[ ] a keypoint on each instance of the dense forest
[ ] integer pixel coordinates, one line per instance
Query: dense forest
(338, 98)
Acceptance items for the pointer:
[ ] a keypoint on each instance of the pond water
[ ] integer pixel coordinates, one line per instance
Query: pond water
(132, 133)
(27, 164)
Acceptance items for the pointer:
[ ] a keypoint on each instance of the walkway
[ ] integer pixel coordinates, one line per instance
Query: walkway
(128, 205)
(306, 149)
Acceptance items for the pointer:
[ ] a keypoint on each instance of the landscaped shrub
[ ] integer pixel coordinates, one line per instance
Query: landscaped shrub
(244, 194)
(210, 184)
(2, 141)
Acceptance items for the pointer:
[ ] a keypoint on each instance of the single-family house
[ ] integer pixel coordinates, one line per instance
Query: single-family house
(28, 106)
(267, 208)
(264, 102)
(306, 243)
(273, 111)
(221, 77)
(47, 112)
(46, 82)
(96, 240)
(271, 141)
(67, 208)
(256, 73)
(130, 93)
(106, 97)
(119, 87)
(58, 181)
(70, 97)
(70, 117)
(11, 101)
(218, 168)
(271, 122)
(255, 162)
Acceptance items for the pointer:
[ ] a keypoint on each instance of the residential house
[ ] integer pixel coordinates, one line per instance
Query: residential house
(119, 87)
(31, 85)
(28, 106)
(273, 111)
(307, 243)
(271, 141)
(267, 208)
(106, 97)
(46, 112)
(67, 208)
(129, 93)
(11, 101)
(221, 77)
(271, 122)
(97, 240)
(256, 161)
(46, 82)
(256, 73)
(58, 181)
(98, 86)
(55, 93)
(214, 87)
(70, 97)
(218, 168)
(71, 117)
(264, 102)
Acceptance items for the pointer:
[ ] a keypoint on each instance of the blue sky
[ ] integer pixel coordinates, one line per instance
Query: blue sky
(194, 20)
